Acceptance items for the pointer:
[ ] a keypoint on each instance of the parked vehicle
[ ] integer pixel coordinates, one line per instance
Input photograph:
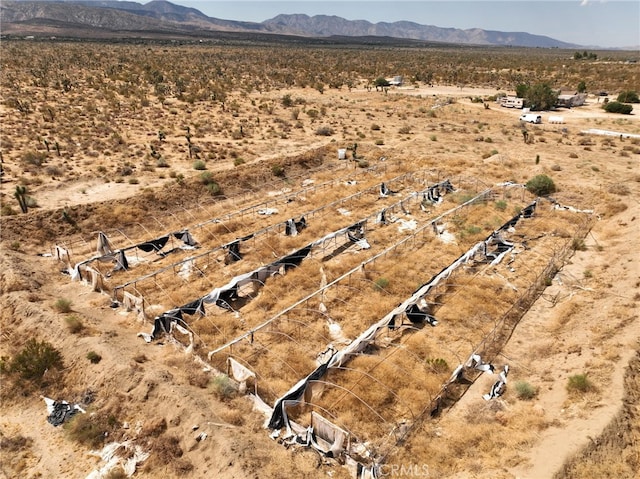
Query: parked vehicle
(531, 118)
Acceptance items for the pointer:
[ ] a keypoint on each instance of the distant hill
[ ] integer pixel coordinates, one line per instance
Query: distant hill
(324, 25)
(121, 18)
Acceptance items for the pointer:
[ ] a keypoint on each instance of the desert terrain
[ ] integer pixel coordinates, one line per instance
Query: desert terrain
(139, 141)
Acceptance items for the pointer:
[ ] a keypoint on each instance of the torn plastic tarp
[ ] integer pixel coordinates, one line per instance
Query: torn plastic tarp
(60, 411)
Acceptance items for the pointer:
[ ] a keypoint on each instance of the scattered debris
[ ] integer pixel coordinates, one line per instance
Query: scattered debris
(60, 411)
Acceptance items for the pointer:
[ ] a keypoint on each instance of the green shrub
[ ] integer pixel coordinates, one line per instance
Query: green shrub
(525, 391)
(206, 177)
(501, 205)
(579, 383)
(238, 161)
(438, 365)
(63, 305)
(223, 387)
(35, 359)
(214, 188)
(199, 165)
(628, 97)
(541, 185)
(74, 324)
(617, 107)
(278, 171)
(94, 357)
(381, 283)
(578, 244)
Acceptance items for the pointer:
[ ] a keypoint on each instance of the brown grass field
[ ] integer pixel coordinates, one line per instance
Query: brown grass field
(142, 140)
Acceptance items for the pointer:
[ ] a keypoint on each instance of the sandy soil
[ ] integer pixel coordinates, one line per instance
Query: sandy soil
(586, 320)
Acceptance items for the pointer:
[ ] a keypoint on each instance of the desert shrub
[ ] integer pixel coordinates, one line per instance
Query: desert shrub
(91, 430)
(223, 387)
(375, 127)
(35, 158)
(578, 244)
(63, 305)
(94, 357)
(556, 168)
(74, 324)
(324, 131)
(133, 181)
(433, 138)
(579, 383)
(199, 165)
(619, 189)
(541, 185)
(206, 177)
(363, 164)
(438, 365)
(628, 97)
(214, 188)
(238, 161)
(278, 170)
(405, 130)
(162, 163)
(617, 107)
(381, 283)
(379, 142)
(35, 359)
(525, 391)
(14, 444)
(7, 210)
(501, 205)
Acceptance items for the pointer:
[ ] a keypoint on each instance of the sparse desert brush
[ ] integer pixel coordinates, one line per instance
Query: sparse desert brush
(94, 357)
(525, 390)
(93, 429)
(580, 383)
(63, 305)
(74, 324)
(38, 361)
(223, 387)
(197, 377)
(541, 185)
(614, 207)
(166, 451)
(578, 244)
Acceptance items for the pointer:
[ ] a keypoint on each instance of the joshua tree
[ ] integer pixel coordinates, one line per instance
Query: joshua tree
(21, 196)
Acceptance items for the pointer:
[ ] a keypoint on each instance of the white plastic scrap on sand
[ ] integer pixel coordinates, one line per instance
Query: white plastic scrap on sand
(344, 212)
(268, 211)
(407, 225)
(444, 235)
(109, 455)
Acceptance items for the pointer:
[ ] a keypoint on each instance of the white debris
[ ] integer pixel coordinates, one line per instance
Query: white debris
(407, 225)
(267, 211)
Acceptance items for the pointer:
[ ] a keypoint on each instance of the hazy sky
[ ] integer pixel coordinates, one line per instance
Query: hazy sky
(585, 22)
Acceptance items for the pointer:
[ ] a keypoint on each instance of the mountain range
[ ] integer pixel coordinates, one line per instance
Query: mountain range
(121, 19)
